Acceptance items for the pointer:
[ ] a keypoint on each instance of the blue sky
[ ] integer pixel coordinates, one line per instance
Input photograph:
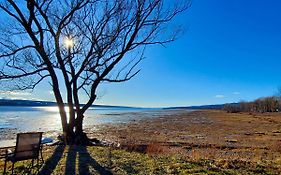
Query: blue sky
(230, 51)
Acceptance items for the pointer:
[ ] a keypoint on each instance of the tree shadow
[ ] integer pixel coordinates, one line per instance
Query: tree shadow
(70, 164)
(77, 159)
(51, 163)
(86, 163)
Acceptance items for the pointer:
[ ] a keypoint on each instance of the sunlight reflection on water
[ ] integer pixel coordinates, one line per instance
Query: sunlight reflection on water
(25, 119)
(50, 108)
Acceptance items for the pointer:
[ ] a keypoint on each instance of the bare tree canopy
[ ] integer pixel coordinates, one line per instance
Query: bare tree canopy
(87, 42)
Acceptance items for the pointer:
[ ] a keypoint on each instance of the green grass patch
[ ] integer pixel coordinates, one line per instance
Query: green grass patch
(105, 160)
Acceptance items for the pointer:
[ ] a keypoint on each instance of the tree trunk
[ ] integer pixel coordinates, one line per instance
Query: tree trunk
(78, 137)
(73, 134)
(62, 115)
(79, 124)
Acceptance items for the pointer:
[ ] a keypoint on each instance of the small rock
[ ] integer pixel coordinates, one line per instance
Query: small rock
(231, 140)
(200, 137)
(260, 133)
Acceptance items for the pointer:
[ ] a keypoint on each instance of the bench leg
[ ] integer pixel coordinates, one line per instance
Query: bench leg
(13, 167)
(41, 155)
(5, 166)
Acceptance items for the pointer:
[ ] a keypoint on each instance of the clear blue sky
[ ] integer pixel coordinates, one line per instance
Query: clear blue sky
(231, 51)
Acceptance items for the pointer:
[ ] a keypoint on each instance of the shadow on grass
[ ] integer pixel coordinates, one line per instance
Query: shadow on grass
(86, 163)
(77, 159)
(50, 164)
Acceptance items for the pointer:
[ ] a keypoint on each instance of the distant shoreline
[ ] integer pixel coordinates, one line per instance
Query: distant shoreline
(31, 103)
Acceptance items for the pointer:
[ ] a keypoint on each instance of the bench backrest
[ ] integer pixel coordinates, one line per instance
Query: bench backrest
(28, 145)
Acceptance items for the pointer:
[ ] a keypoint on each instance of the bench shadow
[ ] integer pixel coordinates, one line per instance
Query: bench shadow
(51, 163)
(86, 163)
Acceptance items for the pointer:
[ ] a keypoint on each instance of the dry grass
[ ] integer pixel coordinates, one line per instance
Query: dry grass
(209, 135)
(105, 160)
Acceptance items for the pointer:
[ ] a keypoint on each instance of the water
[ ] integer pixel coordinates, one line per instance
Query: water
(24, 119)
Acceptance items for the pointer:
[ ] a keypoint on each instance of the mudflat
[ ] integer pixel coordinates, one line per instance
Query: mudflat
(204, 134)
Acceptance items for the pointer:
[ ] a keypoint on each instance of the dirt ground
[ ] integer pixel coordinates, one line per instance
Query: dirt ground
(205, 134)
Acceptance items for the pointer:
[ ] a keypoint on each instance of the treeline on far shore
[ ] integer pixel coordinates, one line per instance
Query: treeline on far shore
(267, 104)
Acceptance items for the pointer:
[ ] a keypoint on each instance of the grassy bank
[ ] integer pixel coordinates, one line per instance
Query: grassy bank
(105, 160)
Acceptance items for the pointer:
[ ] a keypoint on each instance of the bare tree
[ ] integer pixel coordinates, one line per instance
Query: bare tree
(266, 104)
(86, 42)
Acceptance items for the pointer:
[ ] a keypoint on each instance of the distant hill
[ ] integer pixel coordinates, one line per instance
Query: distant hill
(10, 102)
(217, 106)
